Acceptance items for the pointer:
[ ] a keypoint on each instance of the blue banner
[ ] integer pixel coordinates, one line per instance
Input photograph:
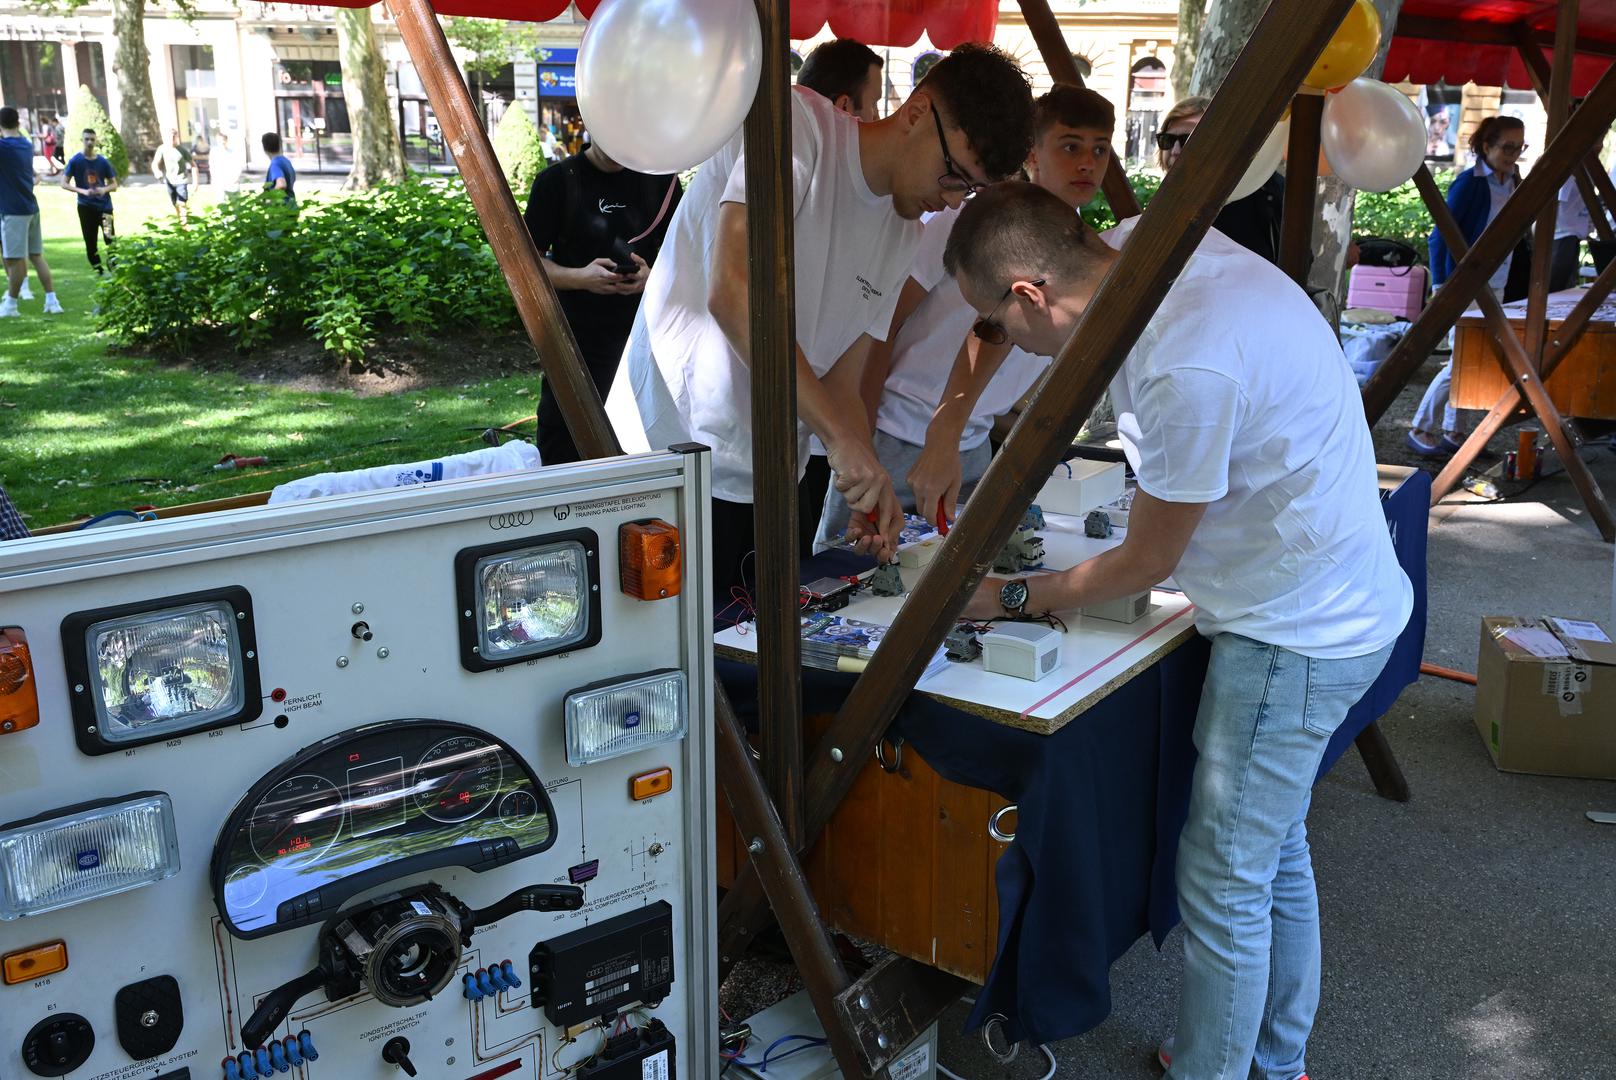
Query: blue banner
(557, 80)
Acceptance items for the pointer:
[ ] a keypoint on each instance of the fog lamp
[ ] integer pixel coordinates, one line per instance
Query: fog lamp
(624, 716)
(85, 852)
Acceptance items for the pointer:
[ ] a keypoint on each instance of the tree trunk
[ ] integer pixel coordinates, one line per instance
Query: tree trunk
(1227, 28)
(131, 67)
(1191, 16)
(378, 157)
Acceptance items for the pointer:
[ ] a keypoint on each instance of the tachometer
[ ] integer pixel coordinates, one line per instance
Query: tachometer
(297, 821)
(457, 779)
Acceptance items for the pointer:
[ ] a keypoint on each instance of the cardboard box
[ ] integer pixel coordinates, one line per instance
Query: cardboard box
(1546, 696)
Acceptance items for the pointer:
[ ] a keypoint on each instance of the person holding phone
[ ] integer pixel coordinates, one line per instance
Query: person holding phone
(93, 179)
(599, 226)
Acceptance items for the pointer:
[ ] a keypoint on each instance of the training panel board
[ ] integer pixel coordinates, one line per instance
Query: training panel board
(301, 846)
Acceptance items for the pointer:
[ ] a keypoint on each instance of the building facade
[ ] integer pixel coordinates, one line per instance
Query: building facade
(259, 67)
(251, 68)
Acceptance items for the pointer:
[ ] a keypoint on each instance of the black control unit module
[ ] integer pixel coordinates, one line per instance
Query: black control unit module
(595, 971)
(636, 1054)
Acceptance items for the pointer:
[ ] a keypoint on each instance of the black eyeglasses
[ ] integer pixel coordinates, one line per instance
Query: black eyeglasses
(1513, 148)
(953, 179)
(990, 332)
(1166, 140)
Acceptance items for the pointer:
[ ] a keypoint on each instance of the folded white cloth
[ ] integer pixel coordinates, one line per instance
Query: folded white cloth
(512, 457)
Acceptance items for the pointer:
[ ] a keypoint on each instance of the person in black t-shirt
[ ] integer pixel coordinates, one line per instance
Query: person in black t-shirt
(590, 216)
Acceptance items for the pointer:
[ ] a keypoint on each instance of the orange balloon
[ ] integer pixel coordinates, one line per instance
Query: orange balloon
(1350, 51)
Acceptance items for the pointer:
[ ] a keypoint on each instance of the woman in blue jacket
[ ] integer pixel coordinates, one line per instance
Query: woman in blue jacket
(1476, 196)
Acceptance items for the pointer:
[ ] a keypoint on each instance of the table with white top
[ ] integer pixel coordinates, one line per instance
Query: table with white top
(1096, 655)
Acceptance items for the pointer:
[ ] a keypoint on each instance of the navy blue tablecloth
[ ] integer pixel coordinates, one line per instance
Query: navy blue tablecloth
(1101, 803)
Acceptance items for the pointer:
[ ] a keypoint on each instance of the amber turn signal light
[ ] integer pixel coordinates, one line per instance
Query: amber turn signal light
(649, 562)
(35, 963)
(19, 699)
(647, 784)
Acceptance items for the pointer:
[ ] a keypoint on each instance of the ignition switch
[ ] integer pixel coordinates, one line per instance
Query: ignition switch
(397, 1052)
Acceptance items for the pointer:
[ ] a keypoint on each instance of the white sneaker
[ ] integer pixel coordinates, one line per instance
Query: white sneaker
(53, 306)
(8, 307)
(27, 293)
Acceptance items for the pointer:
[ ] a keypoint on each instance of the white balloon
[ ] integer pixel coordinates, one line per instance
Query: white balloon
(1372, 135)
(663, 84)
(1263, 165)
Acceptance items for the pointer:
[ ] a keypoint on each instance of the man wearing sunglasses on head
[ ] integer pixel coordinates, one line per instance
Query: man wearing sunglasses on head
(860, 189)
(932, 387)
(1258, 493)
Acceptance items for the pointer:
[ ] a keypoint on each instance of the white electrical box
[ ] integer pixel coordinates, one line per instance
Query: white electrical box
(296, 796)
(1124, 609)
(1025, 650)
(790, 1034)
(1080, 485)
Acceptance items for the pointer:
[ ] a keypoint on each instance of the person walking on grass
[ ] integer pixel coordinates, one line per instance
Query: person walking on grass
(21, 241)
(280, 176)
(93, 179)
(174, 166)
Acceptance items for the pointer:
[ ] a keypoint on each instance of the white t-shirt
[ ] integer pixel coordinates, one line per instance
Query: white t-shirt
(924, 352)
(851, 254)
(1237, 395)
(1573, 218)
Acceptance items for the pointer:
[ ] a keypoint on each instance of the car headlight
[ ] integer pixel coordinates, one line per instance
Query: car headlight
(149, 671)
(85, 852)
(528, 598)
(624, 716)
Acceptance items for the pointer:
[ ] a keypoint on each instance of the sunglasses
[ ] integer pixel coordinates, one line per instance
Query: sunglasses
(989, 331)
(953, 179)
(1166, 140)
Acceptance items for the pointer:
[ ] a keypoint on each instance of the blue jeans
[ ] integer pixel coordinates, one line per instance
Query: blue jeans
(1245, 881)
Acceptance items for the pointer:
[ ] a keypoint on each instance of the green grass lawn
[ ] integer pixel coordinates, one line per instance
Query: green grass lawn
(83, 431)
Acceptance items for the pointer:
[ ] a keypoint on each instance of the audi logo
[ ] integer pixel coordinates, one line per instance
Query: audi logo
(511, 521)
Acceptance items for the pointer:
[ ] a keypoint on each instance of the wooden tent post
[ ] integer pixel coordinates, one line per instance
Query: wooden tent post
(770, 293)
(1062, 66)
(1284, 45)
(1301, 186)
(1556, 104)
(1542, 185)
(1518, 363)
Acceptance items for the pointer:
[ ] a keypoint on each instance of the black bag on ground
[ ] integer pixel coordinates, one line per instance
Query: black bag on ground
(1379, 251)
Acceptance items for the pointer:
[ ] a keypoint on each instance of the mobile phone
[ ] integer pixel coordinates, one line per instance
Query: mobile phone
(627, 269)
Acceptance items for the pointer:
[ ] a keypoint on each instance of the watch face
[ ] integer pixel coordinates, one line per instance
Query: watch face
(1013, 596)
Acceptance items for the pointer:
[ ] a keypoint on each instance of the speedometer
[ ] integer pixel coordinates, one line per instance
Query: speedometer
(297, 821)
(367, 805)
(457, 779)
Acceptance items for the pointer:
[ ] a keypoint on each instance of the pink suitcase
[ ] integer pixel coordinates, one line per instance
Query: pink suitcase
(1399, 290)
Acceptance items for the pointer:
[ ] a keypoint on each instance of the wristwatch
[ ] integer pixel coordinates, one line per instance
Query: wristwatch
(1013, 598)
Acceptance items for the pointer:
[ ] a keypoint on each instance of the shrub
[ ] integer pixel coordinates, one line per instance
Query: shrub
(86, 112)
(1398, 214)
(520, 153)
(410, 255)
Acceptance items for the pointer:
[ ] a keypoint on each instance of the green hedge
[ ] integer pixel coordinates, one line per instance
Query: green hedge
(411, 255)
(1398, 214)
(86, 112)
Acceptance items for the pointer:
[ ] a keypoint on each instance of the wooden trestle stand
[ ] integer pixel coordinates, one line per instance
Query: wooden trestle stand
(870, 1021)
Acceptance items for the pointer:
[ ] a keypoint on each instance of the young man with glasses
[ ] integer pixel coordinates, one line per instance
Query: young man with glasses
(860, 189)
(934, 388)
(1258, 493)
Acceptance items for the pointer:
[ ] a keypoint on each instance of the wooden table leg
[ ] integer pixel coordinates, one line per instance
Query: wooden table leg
(1382, 764)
